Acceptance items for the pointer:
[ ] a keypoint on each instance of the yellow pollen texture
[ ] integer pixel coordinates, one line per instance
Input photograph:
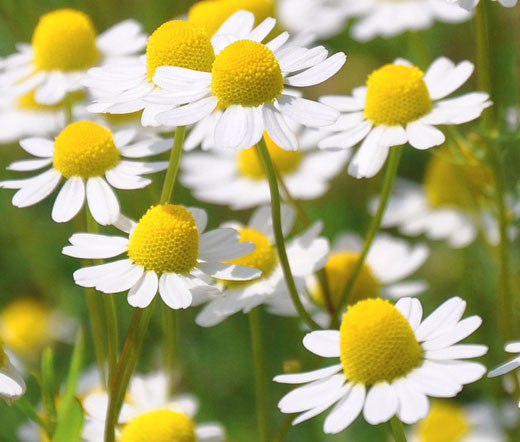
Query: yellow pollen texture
(396, 95)
(179, 43)
(246, 73)
(84, 149)
(211, 14)
(263, 257)
(339, 269)
(377, 343)
(285, 161)
(159, 426)
(446, 422)
(166, 240)
(64, 40)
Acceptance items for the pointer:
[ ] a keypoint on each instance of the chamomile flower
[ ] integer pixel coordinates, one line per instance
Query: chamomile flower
(166, 251)
(449, 421)
(150, 414)
(245, 86)
(12, 385)
(472, 4)
(87, 155)
(387, 18)
(237, 178)
(306, 253)
(390, 362)
(401, 105)
(64, 45)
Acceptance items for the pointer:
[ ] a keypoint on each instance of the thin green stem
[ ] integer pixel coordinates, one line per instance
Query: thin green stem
(388, 185)
(173, 167)
(260, 375)
(418, 48)
(170, 319)
(67, 107)
(397, 429)
(265, 158)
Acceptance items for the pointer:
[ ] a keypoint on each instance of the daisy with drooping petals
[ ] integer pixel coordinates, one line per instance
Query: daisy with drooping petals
(401, 105)
(237, 179)
(387, 18)
(472, 4)
(247, 81)
(150, 414)
(390, 361)
(87, 155)
(64, 45)
(306, 253)
(167, 251)
(12, 386)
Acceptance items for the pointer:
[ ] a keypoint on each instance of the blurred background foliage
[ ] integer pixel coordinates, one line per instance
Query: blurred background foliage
(217, 362)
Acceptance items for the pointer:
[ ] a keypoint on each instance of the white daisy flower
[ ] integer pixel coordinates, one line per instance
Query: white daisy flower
(248, 80)
(12, 385)
(448, 420)
(237, 179)
(387, 18)
(306, 253)
(388, 264)
(150, 413)
(390, 362)
(87, 155)
(64, 45)
(472, 4)
(166, 251)
(401, 105)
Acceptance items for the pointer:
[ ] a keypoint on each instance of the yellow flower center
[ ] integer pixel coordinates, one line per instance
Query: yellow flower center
(246, 73)
(25, 325)
(446, 422)
(64, 40)
(211, 14)
(165, 240)
(263, 257)
(396, 95)
(28, 102)
(377, 343)
(457, 185)
(179, 43)
(339, 269)
(84, 149)
(159, 426)
(285, 161)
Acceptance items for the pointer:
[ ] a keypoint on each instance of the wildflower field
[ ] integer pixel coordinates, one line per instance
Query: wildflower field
(260, 220)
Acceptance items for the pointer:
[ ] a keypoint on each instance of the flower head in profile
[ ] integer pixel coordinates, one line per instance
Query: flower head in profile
(150, 413)
(246, 86)
(401, 104)
(12, 385)
(64, 45)
(390, 361)
(91, 159)
(306, 253)
(168, 252)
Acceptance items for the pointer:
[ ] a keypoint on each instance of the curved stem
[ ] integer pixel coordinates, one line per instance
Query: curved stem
(397, 429)
(265, 159)
(173, 167)
(388, 185)
(260, 376)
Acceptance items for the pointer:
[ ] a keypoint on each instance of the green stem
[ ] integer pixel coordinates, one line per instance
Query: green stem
(170, 319)
(419, 48)
(260, 375)
(67, 107)
(265, 158)
(173, 167)
(388, 185)
(397, 429)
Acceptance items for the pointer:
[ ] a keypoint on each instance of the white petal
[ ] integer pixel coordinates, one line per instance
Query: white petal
(347, 138)
(380, 404)
(307, 112)
(505, 368)
(36, 189)
(423, 136)
(370, 156)
(229, 271)
(440, 84)
(512, 347)
(343, 103)
(318, 73)
(120, 180)
(223, 245)
(142, 293)
(188, 114)
(413, 404)
(411, 310)
(174, 291)
(324, 343)
(442, 318)
(95, 246)
(309, 376)
(102, 202)
(28, 165)
(461, 351)
(69, 201)
(39, 147)
(278, 129)
(201, 218)
(240, 24)
(345, 411)
(454, 334)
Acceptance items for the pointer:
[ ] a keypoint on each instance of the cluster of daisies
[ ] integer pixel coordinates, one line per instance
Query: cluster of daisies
(96, 114)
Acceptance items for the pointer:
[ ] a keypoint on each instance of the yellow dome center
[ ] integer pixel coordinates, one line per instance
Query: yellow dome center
(211, 14)
(457, 185)
(84, 149)
(285, 161)
(25, 325)
(263, 257)
(159, 426)
(179, 43)
(377, 343)
(446, 422)
(64, 40)
(396, 95)
(166, 240)
(246, 73)
(339, 269)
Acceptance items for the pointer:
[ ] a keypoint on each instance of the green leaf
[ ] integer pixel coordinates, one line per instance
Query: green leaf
(70, 424)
